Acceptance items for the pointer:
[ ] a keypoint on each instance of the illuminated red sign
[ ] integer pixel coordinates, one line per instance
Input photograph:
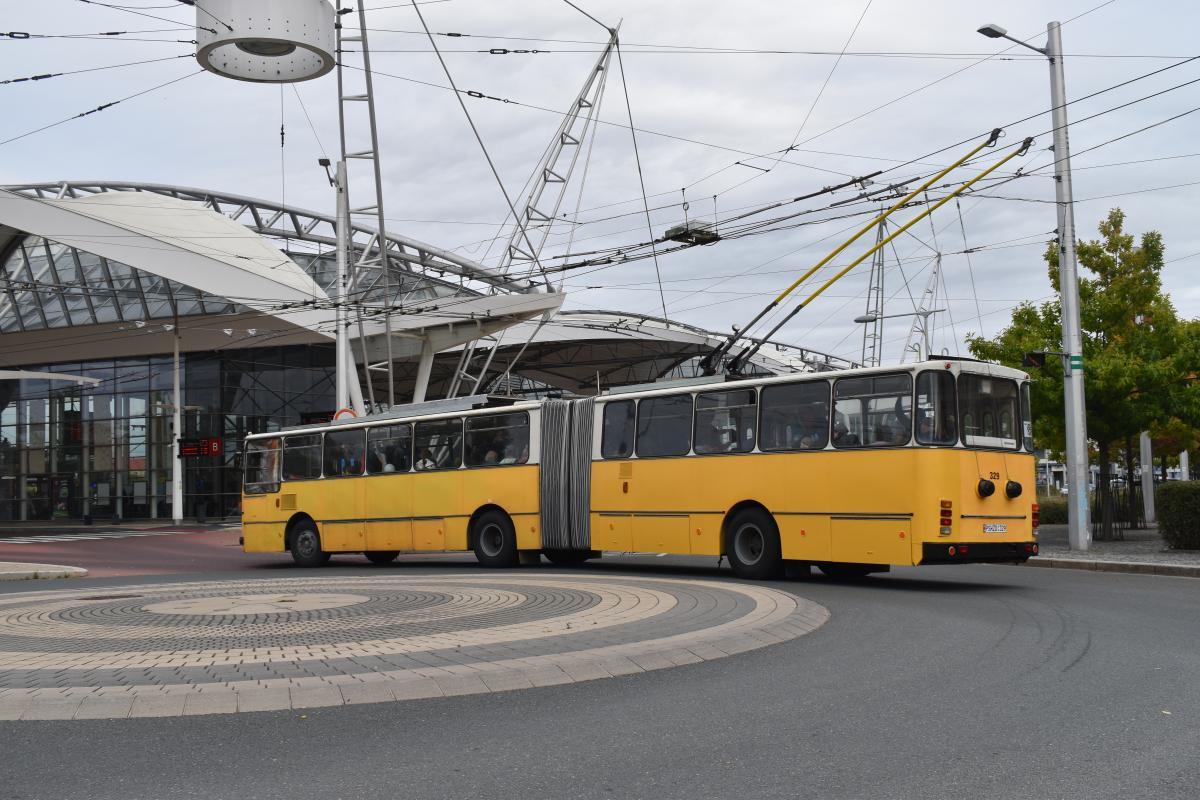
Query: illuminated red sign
(208, 446)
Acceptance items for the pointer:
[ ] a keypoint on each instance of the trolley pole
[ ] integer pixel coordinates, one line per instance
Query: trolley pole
(1074, 407)
(1079, 532)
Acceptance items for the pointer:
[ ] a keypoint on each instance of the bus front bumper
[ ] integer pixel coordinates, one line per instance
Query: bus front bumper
(977, 552)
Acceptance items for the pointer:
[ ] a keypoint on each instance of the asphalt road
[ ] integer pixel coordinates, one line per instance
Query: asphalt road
(938, 682)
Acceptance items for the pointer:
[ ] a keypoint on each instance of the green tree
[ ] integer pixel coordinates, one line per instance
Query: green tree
(1134, 346)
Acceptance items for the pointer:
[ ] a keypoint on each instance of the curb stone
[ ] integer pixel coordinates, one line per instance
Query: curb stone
(1130, 567)
(13, 571)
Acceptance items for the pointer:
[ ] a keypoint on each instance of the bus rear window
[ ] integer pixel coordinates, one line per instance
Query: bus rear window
(262, 466)
(988, 409)
(874, 411)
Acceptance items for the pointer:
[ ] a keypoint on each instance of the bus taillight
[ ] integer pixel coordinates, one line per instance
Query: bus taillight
(946, 518)
(1036, 515)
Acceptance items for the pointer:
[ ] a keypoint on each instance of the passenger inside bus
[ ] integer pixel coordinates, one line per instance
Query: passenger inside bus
(842, 437)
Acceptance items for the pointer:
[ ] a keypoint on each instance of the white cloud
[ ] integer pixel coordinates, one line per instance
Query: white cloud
(224, 135)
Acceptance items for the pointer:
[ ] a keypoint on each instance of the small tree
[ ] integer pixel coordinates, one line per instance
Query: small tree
(1133, 345)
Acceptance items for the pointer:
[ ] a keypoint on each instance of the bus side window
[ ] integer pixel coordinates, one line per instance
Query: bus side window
(664, 426)
(1026, 418)
(345, 452)
(725, 422)
(616, 437)
(302, 457)
(389, 449)
(497, 439)
(439, 444)
(937, 406)
(795, 416)
(874, 410)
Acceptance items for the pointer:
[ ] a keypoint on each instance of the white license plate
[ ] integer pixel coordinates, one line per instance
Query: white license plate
(995, 527)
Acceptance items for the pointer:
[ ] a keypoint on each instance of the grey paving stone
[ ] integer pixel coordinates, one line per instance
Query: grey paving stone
(61, 709)
(414, 689)
(366, 693)
(264, 700)
(460, 684)
(404, 637)
(104, 708)
(167, 705)
(211, 702)
(316, 697)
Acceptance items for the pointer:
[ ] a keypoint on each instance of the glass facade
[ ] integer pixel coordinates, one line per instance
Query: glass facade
(68, 450)
(44, 284)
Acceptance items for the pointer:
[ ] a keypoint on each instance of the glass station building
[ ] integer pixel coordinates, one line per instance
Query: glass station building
(100, 282)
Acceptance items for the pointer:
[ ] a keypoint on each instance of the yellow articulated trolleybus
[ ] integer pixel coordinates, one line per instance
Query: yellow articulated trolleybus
(854, 471)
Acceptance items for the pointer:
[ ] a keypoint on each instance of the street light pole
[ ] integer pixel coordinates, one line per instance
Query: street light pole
(1079, 532)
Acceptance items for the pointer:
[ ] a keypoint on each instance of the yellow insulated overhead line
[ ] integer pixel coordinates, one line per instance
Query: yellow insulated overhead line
(749, 352)
(714, 359)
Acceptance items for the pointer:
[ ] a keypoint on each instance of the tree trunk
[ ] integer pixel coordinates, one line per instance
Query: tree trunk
(1162, 457)
(1104, 511)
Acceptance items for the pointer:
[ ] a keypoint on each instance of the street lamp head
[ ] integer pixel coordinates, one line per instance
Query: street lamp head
(867, 318)
(994, 31)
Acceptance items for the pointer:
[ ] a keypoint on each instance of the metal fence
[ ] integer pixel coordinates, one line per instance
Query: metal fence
(1119, 511)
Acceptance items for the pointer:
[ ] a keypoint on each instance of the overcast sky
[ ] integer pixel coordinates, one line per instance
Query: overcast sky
(223, 135)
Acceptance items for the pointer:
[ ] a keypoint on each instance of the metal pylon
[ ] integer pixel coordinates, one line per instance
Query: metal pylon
(872, 348)
(540, 208)
(374, 251)
(549, 184)
(921, 325)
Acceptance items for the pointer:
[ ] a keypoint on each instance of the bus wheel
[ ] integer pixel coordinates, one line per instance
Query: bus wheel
(306, 545)
(752, 545)
(381, 556)
(495, 539)
(567, 558)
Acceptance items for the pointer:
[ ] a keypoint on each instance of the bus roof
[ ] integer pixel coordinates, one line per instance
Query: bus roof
(483, 404)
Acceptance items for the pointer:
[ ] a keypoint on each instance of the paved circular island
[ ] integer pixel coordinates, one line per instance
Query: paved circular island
(165, 649)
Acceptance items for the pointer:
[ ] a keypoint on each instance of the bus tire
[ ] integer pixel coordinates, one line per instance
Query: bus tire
(381, 556)
(495, 539)
(306, 545)
(752, 545)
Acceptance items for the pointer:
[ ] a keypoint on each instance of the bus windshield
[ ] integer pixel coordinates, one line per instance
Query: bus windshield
(988, 410)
